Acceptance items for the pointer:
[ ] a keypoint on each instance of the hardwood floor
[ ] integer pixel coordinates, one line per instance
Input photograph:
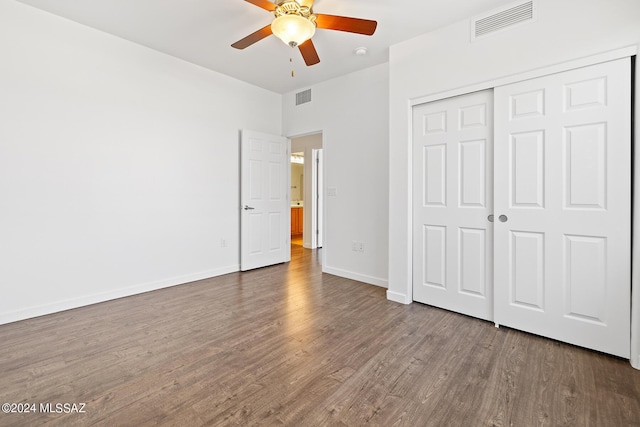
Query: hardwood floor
(289, 345)
(297, 240)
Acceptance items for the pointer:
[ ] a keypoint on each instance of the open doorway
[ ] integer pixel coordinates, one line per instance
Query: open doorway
(306, 191)
(297, 198)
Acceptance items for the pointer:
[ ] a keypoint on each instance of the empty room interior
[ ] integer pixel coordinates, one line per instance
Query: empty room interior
(414, 213)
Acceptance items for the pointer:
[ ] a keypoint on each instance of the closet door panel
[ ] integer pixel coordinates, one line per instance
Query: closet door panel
(452, 237)
(562, 185)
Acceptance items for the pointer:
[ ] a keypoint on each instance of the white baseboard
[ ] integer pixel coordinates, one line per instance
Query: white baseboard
(57, 306)
(356, 276)
(397, 297)
(637, 364)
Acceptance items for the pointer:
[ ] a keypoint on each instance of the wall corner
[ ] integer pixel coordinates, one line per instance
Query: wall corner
(398, 297)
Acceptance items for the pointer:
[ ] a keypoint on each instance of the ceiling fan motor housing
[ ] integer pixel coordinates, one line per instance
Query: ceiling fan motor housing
(291, 7)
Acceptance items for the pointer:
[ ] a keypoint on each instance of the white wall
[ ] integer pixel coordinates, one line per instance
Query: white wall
(444, 61)
(119, 166)
(352, 113)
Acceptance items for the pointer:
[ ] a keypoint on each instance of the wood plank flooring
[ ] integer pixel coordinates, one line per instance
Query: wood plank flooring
(289, 345)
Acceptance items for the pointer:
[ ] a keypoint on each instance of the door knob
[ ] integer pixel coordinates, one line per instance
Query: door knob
(503, 218)
(248, 208)
(490, 218)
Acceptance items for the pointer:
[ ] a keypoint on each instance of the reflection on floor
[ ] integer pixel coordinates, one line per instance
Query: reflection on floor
(296, 240)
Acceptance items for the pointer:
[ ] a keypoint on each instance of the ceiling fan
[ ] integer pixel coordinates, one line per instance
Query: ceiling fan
(295, 24)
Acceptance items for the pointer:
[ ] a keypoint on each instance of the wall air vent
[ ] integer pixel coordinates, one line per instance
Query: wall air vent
(303, 97)
(501, 19)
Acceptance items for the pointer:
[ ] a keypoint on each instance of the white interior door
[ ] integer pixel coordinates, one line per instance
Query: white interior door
(453, 197)
(264, 195)
(562, 188)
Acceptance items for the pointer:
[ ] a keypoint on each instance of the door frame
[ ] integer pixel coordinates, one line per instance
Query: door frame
(317, 197)
(309, 241)
(630, 51)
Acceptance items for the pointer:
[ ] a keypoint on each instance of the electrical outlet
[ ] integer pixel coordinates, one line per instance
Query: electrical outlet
(357, 246)
(223, 243)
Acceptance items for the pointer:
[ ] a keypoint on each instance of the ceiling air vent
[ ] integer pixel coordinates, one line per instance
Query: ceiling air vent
(514, 14)
(303, 97)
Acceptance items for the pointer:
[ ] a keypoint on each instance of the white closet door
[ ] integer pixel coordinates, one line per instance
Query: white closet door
(452, 177)
(562, 184)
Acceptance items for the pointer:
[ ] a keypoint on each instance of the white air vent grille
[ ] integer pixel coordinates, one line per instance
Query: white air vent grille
(303, 97)
(518, 14)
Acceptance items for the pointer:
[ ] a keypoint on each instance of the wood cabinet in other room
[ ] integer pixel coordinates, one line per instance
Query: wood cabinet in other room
(296, 221)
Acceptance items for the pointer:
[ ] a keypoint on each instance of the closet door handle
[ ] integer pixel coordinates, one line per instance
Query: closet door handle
(248, 208)
(490, 218)
(503, 218)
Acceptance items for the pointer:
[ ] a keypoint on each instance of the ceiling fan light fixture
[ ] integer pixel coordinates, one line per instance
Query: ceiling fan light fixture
(295, 24)
(293, 29)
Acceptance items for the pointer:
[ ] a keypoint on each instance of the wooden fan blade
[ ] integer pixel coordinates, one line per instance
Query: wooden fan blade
(266, 5)
(343, 23)
(253, 37)
(309, 53)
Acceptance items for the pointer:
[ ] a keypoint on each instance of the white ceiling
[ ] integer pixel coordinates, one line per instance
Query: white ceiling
(201, 32)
